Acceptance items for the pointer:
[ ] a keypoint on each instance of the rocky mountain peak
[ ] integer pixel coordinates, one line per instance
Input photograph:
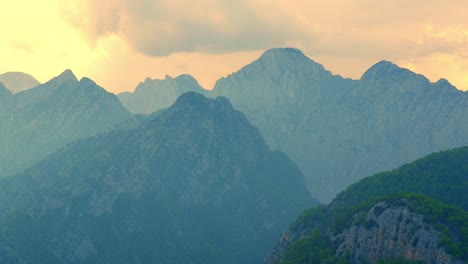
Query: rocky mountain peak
(65, 76)
(284, 52)
(186, 78)
(386, 70)
(289, 59)
(445, 85)
(197, 164)
(156, 94)
(87, 81)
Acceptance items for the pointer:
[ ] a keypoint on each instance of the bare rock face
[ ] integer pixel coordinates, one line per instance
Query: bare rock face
(340, 130)
(193, 184)
(413, 213)
(387, 231)
(39, 121)
(18, 81)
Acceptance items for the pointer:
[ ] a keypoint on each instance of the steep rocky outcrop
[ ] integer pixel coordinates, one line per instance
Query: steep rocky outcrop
(405, 227)
(37, 122)
(360, 226)
(152, 95)
(193, 184)
(339, 130)
(18, 81)
(390, 230)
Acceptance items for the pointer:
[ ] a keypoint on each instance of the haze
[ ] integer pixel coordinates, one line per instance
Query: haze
(119, 43)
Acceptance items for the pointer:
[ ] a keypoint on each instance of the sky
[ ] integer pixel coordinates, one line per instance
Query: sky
(118, 43)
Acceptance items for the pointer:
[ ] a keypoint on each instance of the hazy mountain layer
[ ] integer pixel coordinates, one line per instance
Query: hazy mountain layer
(153, 95)
(37, 122)
(18, 81)
(194, 184)
(4, 92)
(360, 226)
(339, 130)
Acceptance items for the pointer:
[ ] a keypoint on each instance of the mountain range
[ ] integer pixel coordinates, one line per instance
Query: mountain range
(152, 95)
(414, 214)
(193, 184)
(39, 121)
(338, 130)
(18, 81)
(191, 179)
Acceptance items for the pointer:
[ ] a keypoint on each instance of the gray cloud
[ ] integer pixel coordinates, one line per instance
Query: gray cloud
(372, 28)
(162, 27)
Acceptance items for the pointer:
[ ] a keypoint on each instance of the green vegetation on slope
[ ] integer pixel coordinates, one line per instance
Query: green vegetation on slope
(442, 176)
(436, 186)
(317, 248)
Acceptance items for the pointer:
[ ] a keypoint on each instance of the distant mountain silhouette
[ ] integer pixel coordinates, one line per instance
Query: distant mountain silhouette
(339, 130)
(152, 95)
(18, 81)
(195, 184)
(37, 122)
(4, 92)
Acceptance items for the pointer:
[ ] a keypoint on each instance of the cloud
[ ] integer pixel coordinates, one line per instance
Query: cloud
(346, 27)
(163, 27)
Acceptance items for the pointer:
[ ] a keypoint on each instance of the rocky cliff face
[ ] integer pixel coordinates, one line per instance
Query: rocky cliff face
(195, 184)
(339, 130)
(391, 230)
(422, 217)
(18, 81)
(152, 95)
(37, 122)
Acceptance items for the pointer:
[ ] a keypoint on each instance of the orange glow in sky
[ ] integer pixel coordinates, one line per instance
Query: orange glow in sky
(119, 43)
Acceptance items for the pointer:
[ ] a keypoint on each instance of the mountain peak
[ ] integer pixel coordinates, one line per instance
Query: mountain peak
(446, 85)
(285, 56)
(381, 68)
(18, 81)
(386, 70)
(283, 51)
(67, 75)
(195, 100)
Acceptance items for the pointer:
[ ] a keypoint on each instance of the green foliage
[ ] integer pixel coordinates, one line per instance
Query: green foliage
(398, 261)
(442, 175)
(315, 248)
(435, 186)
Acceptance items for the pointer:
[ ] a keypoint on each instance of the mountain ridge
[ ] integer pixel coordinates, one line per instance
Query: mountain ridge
(435, 185)
(178, 188)
(38, 121)
(156, 94)
(339, 130)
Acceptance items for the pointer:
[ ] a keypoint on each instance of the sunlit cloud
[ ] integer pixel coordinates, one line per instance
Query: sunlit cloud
(121, 42)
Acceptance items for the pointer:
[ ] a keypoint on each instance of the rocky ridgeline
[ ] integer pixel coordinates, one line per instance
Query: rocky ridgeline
(39, 121)
(152, 95)
(337, 130)
(195, 183)
(414, 213)
(391, 230)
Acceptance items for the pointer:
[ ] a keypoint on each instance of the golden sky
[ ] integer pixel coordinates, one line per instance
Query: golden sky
(119, 43)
